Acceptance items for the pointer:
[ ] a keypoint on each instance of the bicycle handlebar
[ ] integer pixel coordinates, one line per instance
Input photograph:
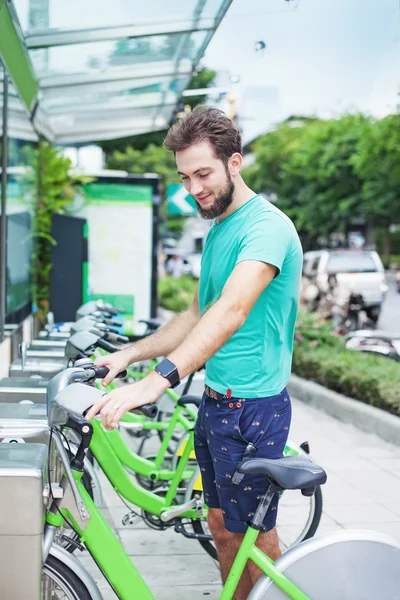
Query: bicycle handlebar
(102, 343)
(114, 336)
(148, 410)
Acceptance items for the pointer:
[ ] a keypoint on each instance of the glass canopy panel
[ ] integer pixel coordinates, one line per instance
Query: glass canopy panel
(37, 15)
(148, 94)
(97, 57)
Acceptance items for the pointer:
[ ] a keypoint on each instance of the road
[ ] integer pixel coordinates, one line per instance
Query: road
(389, 319)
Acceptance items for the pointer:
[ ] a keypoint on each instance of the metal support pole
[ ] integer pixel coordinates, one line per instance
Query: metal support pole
(154, 256)
(3, 221)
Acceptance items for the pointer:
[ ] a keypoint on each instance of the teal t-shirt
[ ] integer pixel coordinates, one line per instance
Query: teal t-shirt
(256, 361)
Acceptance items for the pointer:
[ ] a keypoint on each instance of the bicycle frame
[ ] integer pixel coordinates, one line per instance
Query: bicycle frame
(123, 484)
(149, 468)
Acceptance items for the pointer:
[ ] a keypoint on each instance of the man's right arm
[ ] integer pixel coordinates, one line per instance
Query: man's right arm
(161, 343)
(168, 338)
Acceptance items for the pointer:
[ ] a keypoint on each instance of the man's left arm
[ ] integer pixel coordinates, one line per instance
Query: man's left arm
(245, 284)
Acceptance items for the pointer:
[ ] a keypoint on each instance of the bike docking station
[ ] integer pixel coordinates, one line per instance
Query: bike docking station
(23, 389)
(23, 480)
(27, 424)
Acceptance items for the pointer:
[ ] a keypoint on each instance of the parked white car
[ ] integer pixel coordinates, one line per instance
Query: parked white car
(357, 271)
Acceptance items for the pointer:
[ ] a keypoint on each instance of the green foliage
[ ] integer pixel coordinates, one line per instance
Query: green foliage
(327, 175)
(153, 159)
(175, 224)
(203, 78)
(320, 355)
(273, 152)
(394, 261)
(176, 294)
(377, 162)
(53, 187)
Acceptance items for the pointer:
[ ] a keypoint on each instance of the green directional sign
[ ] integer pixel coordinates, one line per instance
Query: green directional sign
(179, 202)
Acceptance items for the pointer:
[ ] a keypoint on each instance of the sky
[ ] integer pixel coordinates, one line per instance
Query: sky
(322, 57)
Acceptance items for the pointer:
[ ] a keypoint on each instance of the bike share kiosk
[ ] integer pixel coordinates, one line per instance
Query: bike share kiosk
(23, 476)
(27, 424)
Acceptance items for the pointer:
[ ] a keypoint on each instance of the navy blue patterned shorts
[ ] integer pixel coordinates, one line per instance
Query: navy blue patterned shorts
(224, 428)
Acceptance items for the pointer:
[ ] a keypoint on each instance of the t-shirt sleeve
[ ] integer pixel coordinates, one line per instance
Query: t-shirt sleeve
(268, 240)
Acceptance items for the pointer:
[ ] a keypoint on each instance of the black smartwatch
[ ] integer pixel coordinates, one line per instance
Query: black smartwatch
(168, 370)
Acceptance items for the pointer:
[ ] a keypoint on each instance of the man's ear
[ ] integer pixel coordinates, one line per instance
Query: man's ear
(235, 163)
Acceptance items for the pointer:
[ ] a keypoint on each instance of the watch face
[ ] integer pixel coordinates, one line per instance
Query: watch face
(168, 370)
(165, 368)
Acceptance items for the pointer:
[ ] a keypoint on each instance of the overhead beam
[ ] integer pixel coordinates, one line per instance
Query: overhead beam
(136, 102)
(143, 71)
(54, 37)
(15, 57)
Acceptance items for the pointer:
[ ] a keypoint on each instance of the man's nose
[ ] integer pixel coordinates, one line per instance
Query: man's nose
(196, 188)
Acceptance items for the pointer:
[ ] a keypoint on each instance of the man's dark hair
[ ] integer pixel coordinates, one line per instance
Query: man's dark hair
(206, 124)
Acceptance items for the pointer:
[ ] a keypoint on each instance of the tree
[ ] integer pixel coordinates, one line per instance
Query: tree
(273, 152)
(203, 78)
(377, 162)
(329, 193)
(152, 159)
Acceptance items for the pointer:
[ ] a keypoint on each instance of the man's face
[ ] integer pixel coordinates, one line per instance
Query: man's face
(206, 178)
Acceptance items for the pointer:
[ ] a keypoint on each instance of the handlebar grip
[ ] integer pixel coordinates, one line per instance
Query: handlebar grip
(115, 337)
(101, 343)
(148, 410)
(102, 372)
(109, 329)
(112, 322)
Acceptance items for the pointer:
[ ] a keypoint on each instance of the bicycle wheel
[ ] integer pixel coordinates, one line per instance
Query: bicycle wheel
(59, 582)
(298, 517)
(201, 526)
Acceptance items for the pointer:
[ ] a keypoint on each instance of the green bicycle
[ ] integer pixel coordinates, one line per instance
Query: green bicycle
(304, 573)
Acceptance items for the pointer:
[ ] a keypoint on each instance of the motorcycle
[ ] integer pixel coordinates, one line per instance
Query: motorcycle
(375, 341)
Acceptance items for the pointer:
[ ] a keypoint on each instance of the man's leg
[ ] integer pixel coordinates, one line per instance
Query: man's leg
(228, 544)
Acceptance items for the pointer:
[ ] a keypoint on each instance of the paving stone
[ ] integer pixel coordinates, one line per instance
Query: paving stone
(345, 514)
(141, 542)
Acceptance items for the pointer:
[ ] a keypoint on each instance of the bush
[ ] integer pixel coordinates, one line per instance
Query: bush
(321, 357)
(394, 261)
(176, 294)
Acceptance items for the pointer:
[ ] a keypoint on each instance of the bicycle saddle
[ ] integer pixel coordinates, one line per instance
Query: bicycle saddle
(289, 472)
(152, 324)
(189, 399)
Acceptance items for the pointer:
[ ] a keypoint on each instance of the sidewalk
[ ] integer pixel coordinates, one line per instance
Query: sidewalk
(362, 491)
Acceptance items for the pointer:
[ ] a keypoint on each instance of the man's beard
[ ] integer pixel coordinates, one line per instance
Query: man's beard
(220, 204)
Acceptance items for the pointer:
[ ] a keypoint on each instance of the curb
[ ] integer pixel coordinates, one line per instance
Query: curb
(363, 416)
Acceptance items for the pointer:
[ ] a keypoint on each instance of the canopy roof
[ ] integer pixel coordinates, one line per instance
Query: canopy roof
(112, 69)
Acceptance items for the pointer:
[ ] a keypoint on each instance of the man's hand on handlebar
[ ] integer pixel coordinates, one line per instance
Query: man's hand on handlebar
(114, 405)
(115, 362)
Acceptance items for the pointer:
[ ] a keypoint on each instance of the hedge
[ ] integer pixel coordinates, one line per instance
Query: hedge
(176, 294)
(320, 355)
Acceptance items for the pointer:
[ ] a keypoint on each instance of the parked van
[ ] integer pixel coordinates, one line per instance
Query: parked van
(357, 271)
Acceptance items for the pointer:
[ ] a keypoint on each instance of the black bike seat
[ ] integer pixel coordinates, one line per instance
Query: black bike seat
(189, 399)
(289, 472)
(152, 324)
